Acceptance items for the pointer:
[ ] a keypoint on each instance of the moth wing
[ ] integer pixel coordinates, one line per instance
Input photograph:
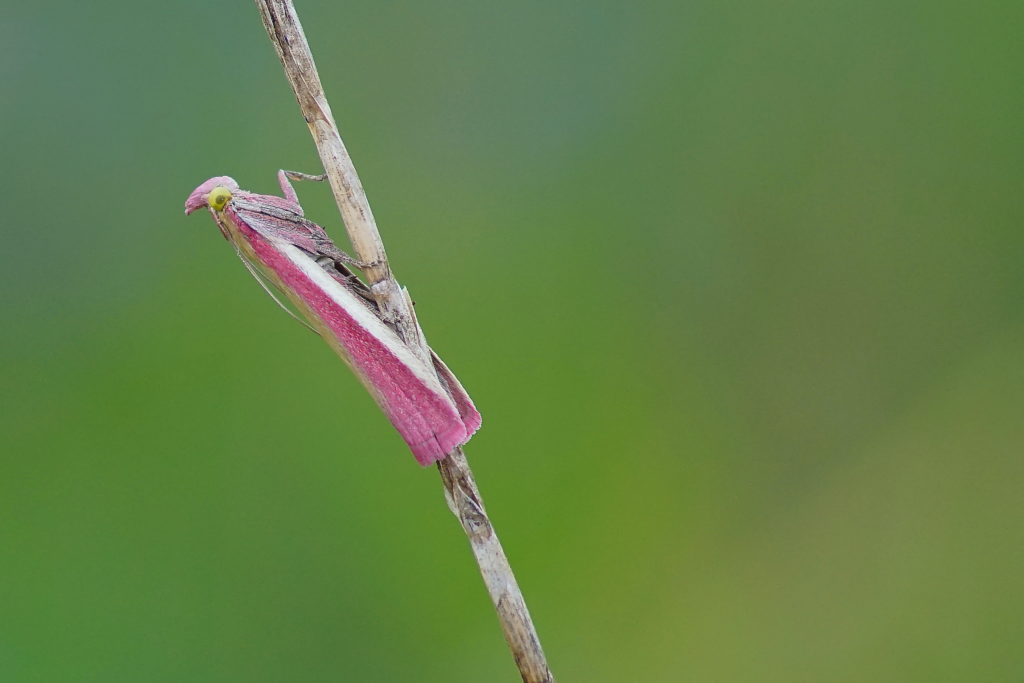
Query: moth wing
(274, 223)
(269, 287)
(467, 411)
(433, 414)
(276, 227)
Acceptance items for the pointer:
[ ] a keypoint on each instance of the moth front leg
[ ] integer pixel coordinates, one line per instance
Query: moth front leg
(286, 186)
(324, 244)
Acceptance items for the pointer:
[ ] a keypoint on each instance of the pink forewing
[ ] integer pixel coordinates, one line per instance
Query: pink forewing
(467, 411)
(429, 420)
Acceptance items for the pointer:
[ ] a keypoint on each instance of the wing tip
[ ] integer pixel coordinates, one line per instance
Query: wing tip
(439, 445)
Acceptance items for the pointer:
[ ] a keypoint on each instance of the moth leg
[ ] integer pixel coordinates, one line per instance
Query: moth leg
(299, 175)
(286, 187)
(338, 269)
(329, 250)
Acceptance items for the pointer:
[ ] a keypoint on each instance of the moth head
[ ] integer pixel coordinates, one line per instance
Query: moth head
(214, 193)
(218, 198)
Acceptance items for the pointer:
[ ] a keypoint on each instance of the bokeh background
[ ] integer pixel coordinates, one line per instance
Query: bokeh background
(737, 287)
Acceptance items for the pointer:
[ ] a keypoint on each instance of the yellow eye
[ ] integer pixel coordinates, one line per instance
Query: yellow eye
(218, 198)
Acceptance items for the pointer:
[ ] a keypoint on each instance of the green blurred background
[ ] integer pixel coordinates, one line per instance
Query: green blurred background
(737, 287)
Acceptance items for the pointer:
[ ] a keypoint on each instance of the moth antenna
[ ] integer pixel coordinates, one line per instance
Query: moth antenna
(266, 288)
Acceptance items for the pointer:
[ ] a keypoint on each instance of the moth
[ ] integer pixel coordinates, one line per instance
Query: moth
(279, 246)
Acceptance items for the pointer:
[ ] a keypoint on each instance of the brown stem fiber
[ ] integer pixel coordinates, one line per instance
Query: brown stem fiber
(460, 489)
